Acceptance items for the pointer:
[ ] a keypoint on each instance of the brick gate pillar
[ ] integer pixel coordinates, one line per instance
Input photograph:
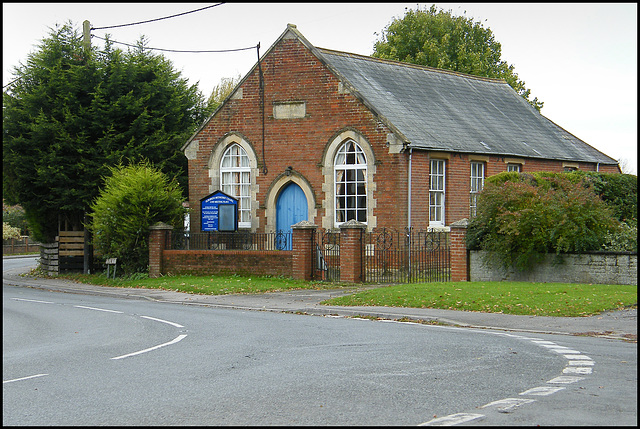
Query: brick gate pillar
(303, 251)
(351, 251)
(459, 252)
(159, 239)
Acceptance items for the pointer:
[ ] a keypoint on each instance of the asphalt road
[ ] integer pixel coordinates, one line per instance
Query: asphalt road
(75, 359)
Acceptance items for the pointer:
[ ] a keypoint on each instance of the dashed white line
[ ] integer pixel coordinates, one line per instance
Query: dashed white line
(565, 350)
(577, 370)
(24, 378)
(578, 357)
(508, 404)
(541, 391)
(453, 419)
(175, 340)
(163, 321)
(581, 362)
(565, 379)
(33, 300)
(98, 309)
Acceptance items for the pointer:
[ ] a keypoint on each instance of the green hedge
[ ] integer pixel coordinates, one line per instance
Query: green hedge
(522, 217)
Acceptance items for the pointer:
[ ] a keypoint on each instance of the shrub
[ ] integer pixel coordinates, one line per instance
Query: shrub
(133, 198)
(623, 239)
(523, 217)
(618, 191)
(9, 231)
(15, 216)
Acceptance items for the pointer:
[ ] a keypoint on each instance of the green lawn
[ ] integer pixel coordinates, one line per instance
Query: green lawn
(206, 285)
(541, 299)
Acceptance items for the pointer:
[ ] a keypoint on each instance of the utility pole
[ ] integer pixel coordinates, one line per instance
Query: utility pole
(86, 33)
(87, 249)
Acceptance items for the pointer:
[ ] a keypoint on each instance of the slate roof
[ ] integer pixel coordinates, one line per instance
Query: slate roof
(435, 109)
(441, 110)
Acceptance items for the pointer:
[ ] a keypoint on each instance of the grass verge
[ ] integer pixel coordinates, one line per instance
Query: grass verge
(205, 285)
(539, 299)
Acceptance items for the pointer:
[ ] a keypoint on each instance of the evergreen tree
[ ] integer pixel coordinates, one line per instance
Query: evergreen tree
(72, 114)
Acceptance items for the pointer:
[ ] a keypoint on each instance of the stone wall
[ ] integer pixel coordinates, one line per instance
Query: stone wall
(594, 268)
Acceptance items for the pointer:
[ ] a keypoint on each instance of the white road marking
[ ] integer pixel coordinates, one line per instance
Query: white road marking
(175, 340)
(580, 362)
(33, 300)
(24, 378)
(98, 309)
(163, 321)
(565, 379)
(542, 391)
(577, 357)
(577, 370)
(506, 405)
(565, 350)
(453, 419)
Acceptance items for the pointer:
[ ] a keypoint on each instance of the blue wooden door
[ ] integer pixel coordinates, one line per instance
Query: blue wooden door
(291, 208)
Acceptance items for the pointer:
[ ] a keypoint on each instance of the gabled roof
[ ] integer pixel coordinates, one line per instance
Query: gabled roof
(448, 111)
(441, 110)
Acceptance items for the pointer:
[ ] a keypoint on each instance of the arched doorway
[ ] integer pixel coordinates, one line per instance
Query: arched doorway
(291, 208)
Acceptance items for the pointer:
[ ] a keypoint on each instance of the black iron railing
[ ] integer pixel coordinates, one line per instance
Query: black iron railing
(241, 240)
(406, 256)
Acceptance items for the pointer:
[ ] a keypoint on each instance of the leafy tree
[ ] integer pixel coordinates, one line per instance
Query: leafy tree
(72, 114)
(436, 38)
(133, 198)
(222, 91)
(521, 218)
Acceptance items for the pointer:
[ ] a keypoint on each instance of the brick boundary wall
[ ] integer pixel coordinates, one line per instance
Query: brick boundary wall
(158, 236)
(209, 262)
(458, 251)
(297, 263)
(351, 251)
(590, 268)
(302, 250)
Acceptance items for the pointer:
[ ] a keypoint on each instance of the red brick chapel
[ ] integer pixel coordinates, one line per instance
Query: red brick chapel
(328, 137)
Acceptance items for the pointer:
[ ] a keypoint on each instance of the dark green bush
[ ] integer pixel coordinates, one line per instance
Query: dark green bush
(133, 198)
(521, 218)
(618, 191)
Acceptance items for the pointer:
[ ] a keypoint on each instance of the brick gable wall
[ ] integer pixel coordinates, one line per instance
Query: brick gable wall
(293, 74)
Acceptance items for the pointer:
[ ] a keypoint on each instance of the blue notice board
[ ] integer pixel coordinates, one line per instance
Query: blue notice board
(219, 212)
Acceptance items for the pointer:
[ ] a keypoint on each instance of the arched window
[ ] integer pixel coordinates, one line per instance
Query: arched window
(350, 180)
(235, 180)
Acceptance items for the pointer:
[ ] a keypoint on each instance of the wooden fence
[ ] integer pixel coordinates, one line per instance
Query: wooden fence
(23, 244)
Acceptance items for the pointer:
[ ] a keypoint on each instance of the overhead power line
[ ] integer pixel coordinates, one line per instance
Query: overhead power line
(176, 50)
(156, 19)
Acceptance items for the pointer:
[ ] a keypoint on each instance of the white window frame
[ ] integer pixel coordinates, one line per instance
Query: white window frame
(477, 183)
(514, 167)
(350, 184)
(437, 176)
(235, 180)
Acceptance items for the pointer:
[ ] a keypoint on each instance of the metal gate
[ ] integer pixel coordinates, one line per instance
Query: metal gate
(406, 256)
(326, 248)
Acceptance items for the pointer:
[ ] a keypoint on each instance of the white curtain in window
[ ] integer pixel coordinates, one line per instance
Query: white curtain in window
(350, 166)
(235, 180)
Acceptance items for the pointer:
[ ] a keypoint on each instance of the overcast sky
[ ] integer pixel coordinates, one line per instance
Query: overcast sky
(579, 59)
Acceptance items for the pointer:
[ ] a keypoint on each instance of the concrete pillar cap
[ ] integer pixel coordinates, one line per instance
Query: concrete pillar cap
(305, 224)
(353, 224)
(160, 225)
(462, 223)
